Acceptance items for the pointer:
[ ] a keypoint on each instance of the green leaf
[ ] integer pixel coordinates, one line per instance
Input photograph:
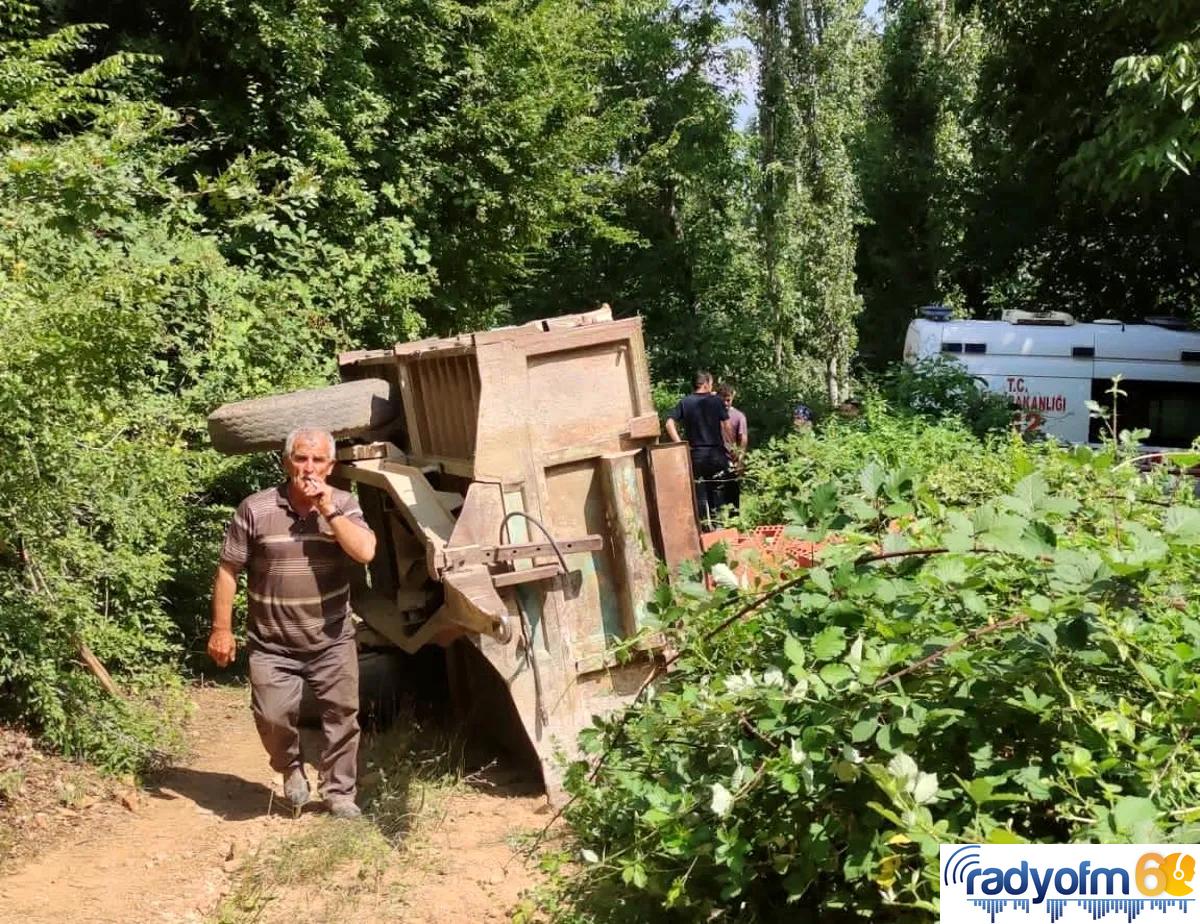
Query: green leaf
(871, 479)
(722, 800)
(907, 725)
(1028, 493)
(824, 500)
(1005, 534)
(1183, 525)
(1004, 836)
(829, 643)
(863, 730)
(836, 673)
(979, 789)
(820, 579)
(634, 874)
(903, 767)
(793, 650)
(1134, 814)
(924, 788)
(960, 537)
(887, 813)
(854, 658)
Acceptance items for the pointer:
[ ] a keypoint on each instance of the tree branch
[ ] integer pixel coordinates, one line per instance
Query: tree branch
(965, 640)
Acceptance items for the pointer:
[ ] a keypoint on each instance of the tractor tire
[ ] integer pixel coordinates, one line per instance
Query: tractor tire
(262, 424)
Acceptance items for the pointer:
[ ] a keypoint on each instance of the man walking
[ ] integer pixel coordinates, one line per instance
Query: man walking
(735, 450)
(298, 543)
(706, 423)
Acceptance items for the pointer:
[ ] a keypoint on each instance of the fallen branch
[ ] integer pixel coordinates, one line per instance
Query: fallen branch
(40, 587)
(965, 640)
(98, 670)
(1155, 456)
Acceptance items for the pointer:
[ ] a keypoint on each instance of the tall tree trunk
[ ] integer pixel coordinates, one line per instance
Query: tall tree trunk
(774, 190)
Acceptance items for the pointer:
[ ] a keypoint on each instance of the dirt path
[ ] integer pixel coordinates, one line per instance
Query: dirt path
(182, 848)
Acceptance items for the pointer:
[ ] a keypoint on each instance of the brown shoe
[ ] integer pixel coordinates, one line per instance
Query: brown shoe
(344, 808)
(295, 785)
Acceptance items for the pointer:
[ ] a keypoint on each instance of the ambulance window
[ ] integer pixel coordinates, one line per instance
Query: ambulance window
(1169, 410)
(952, 347)
(975, 347)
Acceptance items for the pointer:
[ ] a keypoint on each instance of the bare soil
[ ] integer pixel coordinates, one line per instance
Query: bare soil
(45, 799)
(174, 851)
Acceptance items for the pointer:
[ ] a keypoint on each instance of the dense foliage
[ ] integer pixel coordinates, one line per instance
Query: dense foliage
(205, 200)
(1012, 664)
(840, 449)
(938, 389)
(122, 323)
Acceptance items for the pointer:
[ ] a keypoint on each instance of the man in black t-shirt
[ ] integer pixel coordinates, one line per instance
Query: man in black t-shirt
(706, 422)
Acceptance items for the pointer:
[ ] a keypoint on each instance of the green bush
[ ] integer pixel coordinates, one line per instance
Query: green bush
(124, 322)
(938, 388)
(956, 466)
(1021, 669)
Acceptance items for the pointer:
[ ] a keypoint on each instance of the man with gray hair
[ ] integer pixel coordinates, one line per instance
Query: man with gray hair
(298, 542)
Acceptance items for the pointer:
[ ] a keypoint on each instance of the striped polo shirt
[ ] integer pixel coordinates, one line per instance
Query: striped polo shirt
(298, 577)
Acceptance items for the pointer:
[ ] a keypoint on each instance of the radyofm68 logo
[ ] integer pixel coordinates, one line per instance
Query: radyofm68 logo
(1068, 882)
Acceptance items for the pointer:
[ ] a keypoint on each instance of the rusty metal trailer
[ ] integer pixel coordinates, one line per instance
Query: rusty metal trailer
(524, 507)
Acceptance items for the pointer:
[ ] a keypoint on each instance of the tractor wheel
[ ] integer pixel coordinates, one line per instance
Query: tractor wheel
(262, 424)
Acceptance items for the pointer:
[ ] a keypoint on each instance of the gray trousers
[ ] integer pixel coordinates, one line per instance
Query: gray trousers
(276, 684)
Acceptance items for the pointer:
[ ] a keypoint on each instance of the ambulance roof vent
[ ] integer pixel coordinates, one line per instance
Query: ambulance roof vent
(1043, 318)
(1168, 321)
(935, 312)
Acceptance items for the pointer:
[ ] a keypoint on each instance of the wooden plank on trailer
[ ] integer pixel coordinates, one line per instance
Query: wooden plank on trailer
(568, 454)
(643, 396)
(634, 560)
(431, 464)
(674, 504)
(601, 315)
(573, 338)
(411, 410)
(361, 451)
(434, 385)
(357, 357)
(458, 394)
(446, 346)
(536, 573)
(643, 427)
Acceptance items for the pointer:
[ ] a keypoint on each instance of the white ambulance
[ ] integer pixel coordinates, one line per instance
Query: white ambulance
(1051, 366)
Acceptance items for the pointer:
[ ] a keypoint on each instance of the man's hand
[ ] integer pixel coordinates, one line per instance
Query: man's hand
(222, 647)
(320, 493)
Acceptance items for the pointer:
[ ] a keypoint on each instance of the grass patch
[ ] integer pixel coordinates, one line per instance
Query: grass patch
(333, 865)
(406, 773)
(330, 867)
(73, 791)
(10, 785)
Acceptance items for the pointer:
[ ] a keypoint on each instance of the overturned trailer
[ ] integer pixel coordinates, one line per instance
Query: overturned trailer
(522, 504)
